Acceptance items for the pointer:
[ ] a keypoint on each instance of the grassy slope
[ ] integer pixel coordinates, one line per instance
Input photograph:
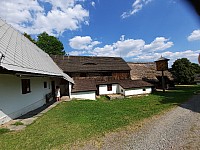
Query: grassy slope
(80, 120)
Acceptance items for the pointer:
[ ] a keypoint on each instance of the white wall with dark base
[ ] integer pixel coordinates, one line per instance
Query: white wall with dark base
(139, 91)
(13, 103)
(121, 90)
(103, 90)
(91, 95)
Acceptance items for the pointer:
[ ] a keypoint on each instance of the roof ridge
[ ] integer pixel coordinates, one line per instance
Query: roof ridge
(85, 56)
(141, 62)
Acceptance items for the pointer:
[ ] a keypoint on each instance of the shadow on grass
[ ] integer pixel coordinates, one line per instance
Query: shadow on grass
(36, 111)
(183, 96)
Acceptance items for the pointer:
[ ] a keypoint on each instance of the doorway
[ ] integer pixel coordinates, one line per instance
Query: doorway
(53, 88)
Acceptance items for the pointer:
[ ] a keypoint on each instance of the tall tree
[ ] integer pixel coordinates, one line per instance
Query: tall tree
(196, 68)
(29, 37)
(184, 71)
(50, 44)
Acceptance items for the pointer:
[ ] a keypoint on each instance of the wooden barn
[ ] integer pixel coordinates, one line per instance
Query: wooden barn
(100, 76)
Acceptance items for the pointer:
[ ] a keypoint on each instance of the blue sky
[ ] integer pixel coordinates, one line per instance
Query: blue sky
(137, 30)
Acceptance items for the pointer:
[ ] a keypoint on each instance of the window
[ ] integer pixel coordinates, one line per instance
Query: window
(45, 85)
(109, 87)
(144, 89)
(26, 88)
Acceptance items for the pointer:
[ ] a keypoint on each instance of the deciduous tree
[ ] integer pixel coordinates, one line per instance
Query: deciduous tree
(50, 44)
(184, 70)
(29, 37)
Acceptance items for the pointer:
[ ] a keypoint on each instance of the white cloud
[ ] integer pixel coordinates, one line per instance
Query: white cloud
(136, 6)
(82, 43)
(126, 48)
(131, 47)
(195, 35)
(107, 50)
(77, 53)
(122, 38)
(134, 49)
(93, 3)
(159, 44)
(34, 17)
(189, 54)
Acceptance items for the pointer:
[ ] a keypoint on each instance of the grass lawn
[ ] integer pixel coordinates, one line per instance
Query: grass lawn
(74, 121)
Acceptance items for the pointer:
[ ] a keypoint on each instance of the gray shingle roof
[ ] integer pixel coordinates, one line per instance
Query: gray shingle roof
(22, 55)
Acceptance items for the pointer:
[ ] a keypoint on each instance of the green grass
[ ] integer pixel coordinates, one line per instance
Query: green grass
(74, 121)
(18, 123)
(4, 130)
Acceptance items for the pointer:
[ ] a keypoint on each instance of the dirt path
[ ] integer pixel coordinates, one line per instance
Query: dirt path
(178, 129)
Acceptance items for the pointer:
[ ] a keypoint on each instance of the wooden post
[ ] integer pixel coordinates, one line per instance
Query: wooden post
(163, 81)
(161, 65)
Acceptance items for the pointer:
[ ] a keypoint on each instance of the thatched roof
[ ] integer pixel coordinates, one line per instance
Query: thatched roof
(147, 71)
(90, 63)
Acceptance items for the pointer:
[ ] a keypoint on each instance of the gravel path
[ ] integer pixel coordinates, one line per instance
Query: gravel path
(178, 129)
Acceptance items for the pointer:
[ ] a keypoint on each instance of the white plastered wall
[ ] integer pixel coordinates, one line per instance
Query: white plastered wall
(103, 89)
(70, 89)
(13, 103)
(121, 90)
(91, 95)
(129, 92)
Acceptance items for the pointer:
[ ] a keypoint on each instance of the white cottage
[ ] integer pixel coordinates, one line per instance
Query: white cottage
(124, 87)
(28, 75)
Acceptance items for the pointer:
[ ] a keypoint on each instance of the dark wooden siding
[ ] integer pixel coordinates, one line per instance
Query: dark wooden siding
(102, 76)
(121, 75)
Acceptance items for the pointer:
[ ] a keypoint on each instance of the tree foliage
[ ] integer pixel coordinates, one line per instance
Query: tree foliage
(29, 37)
(184, 71)
(50, 44)
(196, 68)
(47, 43)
